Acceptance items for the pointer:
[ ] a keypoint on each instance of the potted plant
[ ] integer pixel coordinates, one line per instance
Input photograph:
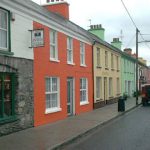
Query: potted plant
(125, 96)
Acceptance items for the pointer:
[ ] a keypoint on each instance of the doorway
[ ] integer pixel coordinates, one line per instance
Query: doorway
(70, 96)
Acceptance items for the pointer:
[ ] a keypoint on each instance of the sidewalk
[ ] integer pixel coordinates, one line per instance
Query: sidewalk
(56, 134)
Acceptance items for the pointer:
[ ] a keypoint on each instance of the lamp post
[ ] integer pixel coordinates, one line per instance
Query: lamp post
(137, 31)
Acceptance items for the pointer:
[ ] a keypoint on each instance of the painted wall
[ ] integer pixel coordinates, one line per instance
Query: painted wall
(106, 73)
(21, 37)
(44, 67)
(128, 76)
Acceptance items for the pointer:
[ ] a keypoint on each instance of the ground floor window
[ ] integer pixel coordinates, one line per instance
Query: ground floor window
(110, 87)
(98, 87)
(7, 108)
(83, 91)
(52, 94)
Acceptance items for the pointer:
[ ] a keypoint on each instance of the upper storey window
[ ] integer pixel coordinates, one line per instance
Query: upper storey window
(4, 30)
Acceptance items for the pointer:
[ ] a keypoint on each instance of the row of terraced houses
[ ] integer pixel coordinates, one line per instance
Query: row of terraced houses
(72, 72)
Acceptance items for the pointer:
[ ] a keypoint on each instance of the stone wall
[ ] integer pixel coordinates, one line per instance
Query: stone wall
(24, 100)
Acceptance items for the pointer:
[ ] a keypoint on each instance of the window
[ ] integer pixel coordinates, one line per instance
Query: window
(82, 54)
(4, 29)
(53, 45)
(106, 59)
(52, 94)
(98, 57)
(118, 86)
(98, 87)
(83, 91)
(110, 87)
(112, 61)
(117, 59)
(69, 50)
(7, 108)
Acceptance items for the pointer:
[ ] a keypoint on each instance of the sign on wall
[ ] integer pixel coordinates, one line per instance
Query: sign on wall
(37, 38)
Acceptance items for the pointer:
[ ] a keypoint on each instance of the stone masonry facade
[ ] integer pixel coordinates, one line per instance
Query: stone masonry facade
(24, 100)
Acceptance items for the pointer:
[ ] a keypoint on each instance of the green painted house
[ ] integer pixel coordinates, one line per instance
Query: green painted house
(128, 73)
(128, 69)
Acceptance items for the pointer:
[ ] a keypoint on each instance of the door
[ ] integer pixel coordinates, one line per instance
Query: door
(105, 89)
(70, 96)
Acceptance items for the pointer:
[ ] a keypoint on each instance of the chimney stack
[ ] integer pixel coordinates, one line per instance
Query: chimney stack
(98, 31)
(116, 43)
(128, 51)
(58, 6)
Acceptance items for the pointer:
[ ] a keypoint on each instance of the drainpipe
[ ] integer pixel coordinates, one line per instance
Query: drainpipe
(93, 68)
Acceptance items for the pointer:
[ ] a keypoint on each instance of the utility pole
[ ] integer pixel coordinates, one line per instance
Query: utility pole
(137, 76)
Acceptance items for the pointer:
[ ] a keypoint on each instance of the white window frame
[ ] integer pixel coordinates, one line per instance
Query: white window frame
(49, 92)
(53, 34)
(84, 102)
(70, 50)
(82, 54)
(6, 30)
(98, 54)
(98, 87)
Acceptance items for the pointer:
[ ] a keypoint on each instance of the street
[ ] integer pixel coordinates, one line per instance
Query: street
(129, 132)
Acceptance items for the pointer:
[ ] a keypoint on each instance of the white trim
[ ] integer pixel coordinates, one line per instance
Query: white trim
(83, 65)
(7, 31)
(52, 110)
(55, 45)
(54, 60)
(71, 63)
(84, 103)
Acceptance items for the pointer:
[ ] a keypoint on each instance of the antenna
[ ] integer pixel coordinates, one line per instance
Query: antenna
(121, 35)
(89, 22)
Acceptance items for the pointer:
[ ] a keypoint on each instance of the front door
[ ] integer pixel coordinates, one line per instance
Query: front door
(70, 96)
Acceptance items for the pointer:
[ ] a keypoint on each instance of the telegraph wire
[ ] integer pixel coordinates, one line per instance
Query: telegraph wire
(129, 14)
(131, 40)
(135, 24)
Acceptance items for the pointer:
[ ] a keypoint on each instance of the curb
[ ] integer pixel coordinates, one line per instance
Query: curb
(75, 138)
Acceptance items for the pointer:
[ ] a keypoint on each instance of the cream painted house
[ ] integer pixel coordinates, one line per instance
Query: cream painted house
(106, 69)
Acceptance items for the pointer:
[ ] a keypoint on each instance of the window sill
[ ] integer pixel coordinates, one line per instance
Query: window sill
(6, 53)
(82, 65)
(7, 120)
(84, 103)
(52, 110)
(71, 63)
(112, 69)
(99, 67)
(106, 68)
(54, 60)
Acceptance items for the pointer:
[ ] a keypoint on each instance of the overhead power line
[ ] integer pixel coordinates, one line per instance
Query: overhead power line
(135, 25)
(129, 14)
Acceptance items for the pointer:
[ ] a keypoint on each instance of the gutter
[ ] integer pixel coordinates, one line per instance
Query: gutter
(94, 42)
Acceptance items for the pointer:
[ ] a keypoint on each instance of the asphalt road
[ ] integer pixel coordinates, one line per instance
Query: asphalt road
(129, 132)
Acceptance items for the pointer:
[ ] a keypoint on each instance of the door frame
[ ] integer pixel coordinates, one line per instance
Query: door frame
(73, 96)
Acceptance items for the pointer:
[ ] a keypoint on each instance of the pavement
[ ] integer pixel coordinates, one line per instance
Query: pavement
(55, 135)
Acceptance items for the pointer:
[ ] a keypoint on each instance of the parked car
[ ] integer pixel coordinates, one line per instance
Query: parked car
(145, 94)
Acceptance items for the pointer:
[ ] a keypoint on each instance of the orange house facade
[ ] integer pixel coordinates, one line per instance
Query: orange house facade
(63, 78)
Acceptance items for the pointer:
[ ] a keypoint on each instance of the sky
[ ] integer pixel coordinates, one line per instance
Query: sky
(114, 18)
